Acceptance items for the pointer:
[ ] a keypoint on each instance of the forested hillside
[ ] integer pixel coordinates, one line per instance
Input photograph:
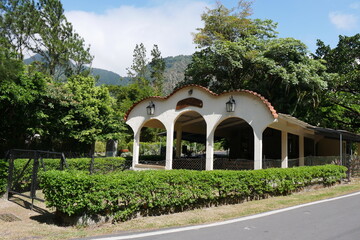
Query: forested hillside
(174, 72)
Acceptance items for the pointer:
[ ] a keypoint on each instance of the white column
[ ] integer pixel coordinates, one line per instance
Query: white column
(210, 149)
(169, 146)
(284, 149)
(301, 151)
(178, 142)
(136, 148)
(257, 150)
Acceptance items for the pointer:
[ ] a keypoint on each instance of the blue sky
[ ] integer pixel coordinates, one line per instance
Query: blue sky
(113, 27)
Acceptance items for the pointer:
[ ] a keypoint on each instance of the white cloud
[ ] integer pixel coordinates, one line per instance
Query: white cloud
(113, 35)
(343, 21)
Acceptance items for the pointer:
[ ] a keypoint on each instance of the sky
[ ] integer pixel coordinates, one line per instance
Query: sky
(112, 28)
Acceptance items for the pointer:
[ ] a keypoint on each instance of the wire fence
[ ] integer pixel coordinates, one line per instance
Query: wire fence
(224, 163)
(189, 163)
(233, 164)
(354, 166)
(24, 166)
(25, 178)
(157, 163)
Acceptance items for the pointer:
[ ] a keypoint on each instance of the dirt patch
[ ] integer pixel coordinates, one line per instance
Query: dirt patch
(30, 223)
(6, 217)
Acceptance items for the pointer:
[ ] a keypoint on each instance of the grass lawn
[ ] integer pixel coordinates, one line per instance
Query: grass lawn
(39, 224)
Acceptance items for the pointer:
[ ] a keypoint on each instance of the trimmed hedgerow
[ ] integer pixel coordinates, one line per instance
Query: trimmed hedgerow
(123, 195)
(101, 166)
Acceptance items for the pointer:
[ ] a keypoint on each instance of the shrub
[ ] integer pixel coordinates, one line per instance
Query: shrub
(3, 175)
(101, 166)
(123, 195)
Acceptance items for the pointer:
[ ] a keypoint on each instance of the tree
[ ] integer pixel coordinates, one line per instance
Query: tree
(18, 19)
(93, 117)
(138, 70)
(41, 27)
(21, 92)
(76, 114)
(58, 43)
(157, 69)
(223, 24)
(241, 53)
(68, 116)
(125, 97)
(341, 100)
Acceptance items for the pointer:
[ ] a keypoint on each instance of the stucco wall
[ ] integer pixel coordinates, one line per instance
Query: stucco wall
(250, 106)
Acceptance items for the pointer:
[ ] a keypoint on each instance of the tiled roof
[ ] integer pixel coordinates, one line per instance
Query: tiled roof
(264, 100)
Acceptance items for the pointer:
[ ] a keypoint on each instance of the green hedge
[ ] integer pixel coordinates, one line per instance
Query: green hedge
(123, 195)
(3, 175)
(101, 166)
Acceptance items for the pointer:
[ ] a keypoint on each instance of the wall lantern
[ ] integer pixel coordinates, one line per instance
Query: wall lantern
(230, 105)
(151, 108)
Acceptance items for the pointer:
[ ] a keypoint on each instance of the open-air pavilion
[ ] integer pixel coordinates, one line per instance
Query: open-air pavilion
(258, 136)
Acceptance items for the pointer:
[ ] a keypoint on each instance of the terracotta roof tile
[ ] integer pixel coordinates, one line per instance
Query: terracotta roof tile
(264, 100)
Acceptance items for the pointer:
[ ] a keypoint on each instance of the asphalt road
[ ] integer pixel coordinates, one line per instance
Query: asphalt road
(337, 218)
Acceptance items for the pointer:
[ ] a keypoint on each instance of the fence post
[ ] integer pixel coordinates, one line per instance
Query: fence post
(10, 175)
(349, 169)
(34, 179)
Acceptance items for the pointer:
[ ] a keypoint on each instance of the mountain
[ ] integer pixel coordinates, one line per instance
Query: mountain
(108, 77)
(35, 58)
(103, 76)
(174, 72)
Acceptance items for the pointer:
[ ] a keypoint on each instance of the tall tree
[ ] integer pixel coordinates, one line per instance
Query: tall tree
(18, 19)
(138, 70)
(157, 69)
(341, 100)
(58, 43)
(41, 27)
(243, 53)
(223, 24)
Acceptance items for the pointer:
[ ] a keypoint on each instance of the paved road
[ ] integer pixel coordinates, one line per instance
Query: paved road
(335, 219)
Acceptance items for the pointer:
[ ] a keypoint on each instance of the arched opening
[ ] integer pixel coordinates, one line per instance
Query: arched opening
(190, 138)
(152, 143)
(235, 137)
